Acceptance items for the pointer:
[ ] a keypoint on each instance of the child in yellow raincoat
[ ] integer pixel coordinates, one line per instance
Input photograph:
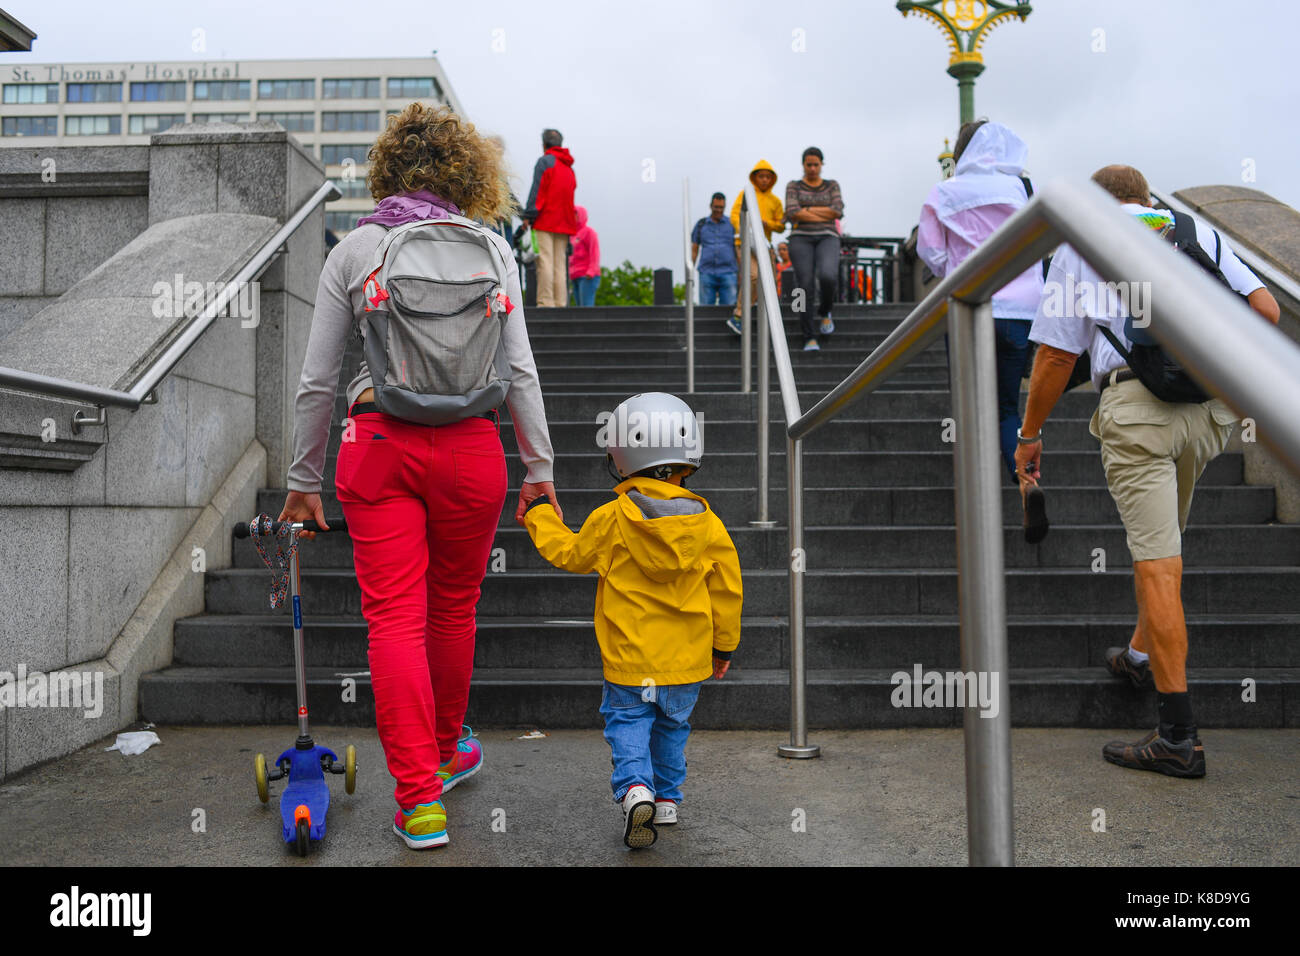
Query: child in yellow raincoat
(668, 603)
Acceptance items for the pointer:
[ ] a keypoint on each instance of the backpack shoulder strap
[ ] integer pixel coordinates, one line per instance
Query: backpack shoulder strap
(1114, 340)
(1184, 231)
(1184, 238)
(1029, 194)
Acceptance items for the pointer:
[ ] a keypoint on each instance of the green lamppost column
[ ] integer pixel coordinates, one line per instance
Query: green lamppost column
(966, 24)
(964, 73)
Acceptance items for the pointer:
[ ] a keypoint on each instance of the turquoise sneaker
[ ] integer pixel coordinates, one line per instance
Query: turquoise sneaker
(467, 761)
(423, 827)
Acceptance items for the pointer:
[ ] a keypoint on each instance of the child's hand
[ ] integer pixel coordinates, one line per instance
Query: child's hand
(720, 668)
(531, 490)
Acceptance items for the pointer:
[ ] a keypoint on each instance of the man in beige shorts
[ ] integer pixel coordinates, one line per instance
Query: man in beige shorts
(1153, 452)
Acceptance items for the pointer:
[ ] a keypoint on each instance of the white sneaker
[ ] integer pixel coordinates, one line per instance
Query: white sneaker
(638, 818)
(811, 346)
(665, 812)
(828, 325)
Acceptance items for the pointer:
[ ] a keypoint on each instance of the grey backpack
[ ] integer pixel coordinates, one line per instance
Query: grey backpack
(436, 308)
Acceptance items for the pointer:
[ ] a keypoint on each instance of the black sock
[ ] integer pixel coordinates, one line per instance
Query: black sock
(1175, 712)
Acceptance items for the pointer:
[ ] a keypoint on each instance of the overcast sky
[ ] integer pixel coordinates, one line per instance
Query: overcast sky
(1192, 92)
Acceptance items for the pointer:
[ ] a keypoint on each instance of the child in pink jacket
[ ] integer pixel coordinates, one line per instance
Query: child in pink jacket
(584, 262)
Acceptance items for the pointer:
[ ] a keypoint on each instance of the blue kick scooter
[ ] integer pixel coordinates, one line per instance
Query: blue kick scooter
(306, 799)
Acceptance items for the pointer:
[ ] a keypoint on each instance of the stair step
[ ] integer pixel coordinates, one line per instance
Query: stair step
(1067, 506)
(829, 590)
(1246, 641)
(886, 437)
(562, 405)
(868, 470)
(744, 700)
(866, 546)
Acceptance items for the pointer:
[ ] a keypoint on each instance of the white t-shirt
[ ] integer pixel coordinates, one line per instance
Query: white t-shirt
(1073, 325)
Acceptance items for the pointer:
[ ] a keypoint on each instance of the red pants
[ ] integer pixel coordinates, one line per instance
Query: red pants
(422, 505)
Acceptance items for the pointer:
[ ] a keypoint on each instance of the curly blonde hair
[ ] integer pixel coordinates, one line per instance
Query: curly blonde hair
(433, 148)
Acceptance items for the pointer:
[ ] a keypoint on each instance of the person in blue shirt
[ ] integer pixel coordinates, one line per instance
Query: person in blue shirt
(713, 249)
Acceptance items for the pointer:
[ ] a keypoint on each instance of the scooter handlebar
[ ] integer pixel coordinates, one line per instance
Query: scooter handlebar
(335, 524)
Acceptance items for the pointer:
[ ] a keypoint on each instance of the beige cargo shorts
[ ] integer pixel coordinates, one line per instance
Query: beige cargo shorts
(1153, 452)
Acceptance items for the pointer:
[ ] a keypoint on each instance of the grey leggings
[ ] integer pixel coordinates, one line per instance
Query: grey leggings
(823, 253)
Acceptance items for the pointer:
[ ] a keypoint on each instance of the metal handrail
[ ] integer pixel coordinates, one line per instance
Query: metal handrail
(772, 329)
(771, 307)
(689, 273)
(1188, 313)
(1254, 369)
(1252, 260)
(162, 366)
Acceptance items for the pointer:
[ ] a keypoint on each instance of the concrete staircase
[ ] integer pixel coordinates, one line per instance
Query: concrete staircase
(881, 579)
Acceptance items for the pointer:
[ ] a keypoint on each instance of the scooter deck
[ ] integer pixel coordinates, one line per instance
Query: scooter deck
(307, 788)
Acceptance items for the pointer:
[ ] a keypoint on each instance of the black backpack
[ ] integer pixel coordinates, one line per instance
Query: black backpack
(1155, 368)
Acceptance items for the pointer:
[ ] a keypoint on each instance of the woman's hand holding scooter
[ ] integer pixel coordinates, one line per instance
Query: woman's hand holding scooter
(301, 506)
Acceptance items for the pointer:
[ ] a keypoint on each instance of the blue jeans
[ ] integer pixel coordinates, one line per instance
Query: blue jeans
(646, 728)
(717, 288)
(1011, 340)
(584, 290)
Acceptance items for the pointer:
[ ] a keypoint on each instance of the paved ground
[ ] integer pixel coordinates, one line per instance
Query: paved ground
(875, 797)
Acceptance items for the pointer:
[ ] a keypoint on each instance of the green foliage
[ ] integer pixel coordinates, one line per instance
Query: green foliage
(626, 285)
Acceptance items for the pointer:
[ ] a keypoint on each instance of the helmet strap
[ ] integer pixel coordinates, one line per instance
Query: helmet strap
(613, 473)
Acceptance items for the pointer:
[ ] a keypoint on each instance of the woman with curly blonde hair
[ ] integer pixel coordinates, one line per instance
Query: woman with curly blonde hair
(422, 502)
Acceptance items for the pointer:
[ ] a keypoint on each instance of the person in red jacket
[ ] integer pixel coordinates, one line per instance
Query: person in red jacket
(551, 215)
(584, 264)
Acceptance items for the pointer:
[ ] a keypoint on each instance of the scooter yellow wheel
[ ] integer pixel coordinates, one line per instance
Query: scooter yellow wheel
(259, 770)
(350, 769)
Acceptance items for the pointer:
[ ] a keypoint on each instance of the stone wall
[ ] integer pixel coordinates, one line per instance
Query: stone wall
(63, 211)
(102, 555)
(1270, 229)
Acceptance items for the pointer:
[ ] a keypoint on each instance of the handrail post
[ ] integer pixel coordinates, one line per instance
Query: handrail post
(689, 269)
(746, 302)
(981, 583)
(798, 747)
(764, 393)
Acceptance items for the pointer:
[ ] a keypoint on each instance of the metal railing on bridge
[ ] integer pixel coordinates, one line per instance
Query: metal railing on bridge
(1256, 370)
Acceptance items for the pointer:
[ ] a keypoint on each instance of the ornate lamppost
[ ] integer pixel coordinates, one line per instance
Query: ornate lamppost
(966, 25)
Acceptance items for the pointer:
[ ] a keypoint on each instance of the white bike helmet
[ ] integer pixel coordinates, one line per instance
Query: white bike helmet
(649, 430)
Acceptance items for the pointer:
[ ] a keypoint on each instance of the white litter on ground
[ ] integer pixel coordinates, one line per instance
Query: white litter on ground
(136, 742)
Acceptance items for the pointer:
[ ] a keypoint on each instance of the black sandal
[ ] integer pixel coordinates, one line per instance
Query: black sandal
(1036, 523)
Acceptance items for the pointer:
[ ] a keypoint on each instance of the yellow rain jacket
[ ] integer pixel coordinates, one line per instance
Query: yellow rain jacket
(769, 205)
(669, 591)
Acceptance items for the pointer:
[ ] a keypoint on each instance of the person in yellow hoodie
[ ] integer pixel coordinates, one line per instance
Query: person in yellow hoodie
(763, 176)
(667, 605)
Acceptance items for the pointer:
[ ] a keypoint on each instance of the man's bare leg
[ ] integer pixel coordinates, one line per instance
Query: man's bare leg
(1161, 622)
